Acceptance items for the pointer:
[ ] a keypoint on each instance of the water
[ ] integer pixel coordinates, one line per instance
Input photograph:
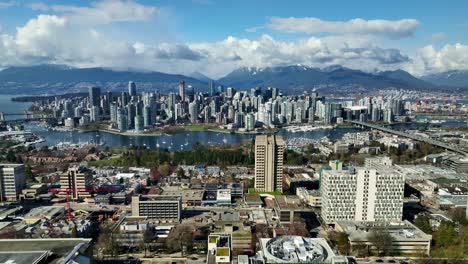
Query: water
(8, 106)
(177, 141)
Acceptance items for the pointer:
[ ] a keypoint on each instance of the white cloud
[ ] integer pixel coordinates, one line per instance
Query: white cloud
(311, 25)
(253, 29)
(101, 12)
(7, 4)
(65, 38)
(449, 57)
(437, 36)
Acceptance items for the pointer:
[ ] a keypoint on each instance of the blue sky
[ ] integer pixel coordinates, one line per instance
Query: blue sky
(215, 37)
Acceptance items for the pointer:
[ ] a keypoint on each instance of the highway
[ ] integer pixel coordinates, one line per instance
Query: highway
(414, 137)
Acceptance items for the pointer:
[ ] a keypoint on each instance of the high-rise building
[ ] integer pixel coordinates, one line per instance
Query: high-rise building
(182, 90)
(94, 114)
(193, 111)
(11, 181)
(211, 88)
(362, 194)
(132, 89)
(76, 181)
(269, 163)
(94, 96)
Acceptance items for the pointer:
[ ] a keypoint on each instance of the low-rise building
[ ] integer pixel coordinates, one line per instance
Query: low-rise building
(294, 249)
(407, 238)
(158, 208)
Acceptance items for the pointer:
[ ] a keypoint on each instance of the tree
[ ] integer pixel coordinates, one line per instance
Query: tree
(381, 240)
(422, 222)
(342, 242)
(145, 241)
(164, 169)
(181, 236)
(29, 174)
(108, 239)
(458, 215)
(181, 173)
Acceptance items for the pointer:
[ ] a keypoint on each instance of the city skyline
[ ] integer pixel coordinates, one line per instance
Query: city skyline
(215, 38)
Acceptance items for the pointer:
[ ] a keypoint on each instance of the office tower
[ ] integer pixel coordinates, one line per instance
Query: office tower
(207, 114)
(139, 123)
(159, 208)
(230, 92)
(75, 181)
(362, 194)
(94, 96)
(11, 181)
(131, 113)
(78, 112)
(311, 115)
(182, 90)
(124, 99)
(269, 163)
(211, 88)
(249, 122)
(193, 111)
(147, 116)
(113, 112)
(122, 123)
(132, 89)
(94, 114)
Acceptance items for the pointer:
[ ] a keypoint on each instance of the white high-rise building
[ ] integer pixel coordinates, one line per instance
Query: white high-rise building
(362, 194)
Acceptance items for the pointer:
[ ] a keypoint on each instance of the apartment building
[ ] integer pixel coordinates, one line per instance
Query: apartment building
(12, 181)
(269, 163)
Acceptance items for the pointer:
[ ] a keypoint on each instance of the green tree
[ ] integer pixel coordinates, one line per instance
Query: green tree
(422, 222)
(381, 241)
(29, 174)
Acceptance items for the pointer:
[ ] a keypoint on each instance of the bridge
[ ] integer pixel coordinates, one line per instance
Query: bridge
(410, 136)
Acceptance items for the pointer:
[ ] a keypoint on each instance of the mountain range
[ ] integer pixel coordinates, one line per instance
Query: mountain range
(59, 79)
(456, 78)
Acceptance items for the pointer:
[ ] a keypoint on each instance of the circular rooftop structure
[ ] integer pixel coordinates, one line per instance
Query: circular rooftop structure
(296, 249)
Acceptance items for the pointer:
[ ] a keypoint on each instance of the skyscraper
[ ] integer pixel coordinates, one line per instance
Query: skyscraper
(212, 88)
(94, 94)
(269, 163)
(12, 181)
(132, 89)
(182, 90)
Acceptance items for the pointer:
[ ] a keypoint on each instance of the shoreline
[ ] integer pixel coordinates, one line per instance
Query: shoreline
(160, 133)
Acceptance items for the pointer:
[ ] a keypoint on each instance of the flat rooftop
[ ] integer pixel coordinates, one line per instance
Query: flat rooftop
(23, 257)
(400, 231)
(59, 246)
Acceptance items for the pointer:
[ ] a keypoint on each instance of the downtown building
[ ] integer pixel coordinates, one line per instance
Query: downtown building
(362, 194)
(11, 181)
(269, 163)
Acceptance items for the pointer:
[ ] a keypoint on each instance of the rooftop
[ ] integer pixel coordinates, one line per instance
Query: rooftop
(403, 230)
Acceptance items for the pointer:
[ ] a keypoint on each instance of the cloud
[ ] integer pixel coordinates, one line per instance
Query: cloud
(311, 25)
(7, 4)
(437, 36)
(254, 29)
(65, 38)
(449, 57)
(203, 2)
(101, 12)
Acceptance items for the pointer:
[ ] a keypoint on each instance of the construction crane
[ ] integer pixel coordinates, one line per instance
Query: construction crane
(67, 192)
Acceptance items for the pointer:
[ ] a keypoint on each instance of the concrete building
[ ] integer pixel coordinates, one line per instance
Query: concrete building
(407, 238)
(294, 249)
(269, 163)
(75, 181)
(158, 208)
(362, 194)
(11, 181)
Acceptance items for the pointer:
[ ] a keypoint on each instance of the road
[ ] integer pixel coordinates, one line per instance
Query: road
(413, 137)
